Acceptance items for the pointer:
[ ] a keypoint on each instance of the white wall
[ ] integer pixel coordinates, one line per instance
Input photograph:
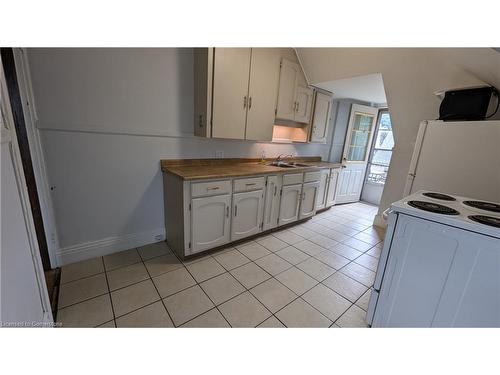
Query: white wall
(107, 117)
(410, 77)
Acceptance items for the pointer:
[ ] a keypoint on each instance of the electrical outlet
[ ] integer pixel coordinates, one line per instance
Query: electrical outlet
(219, 154)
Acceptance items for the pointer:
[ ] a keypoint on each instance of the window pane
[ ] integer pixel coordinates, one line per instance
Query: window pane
(384, 140)
(360, 135)
(381, 157)
(377, 174)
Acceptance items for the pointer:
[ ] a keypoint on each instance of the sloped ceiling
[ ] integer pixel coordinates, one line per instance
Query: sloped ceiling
(410, 76)
(369, 88)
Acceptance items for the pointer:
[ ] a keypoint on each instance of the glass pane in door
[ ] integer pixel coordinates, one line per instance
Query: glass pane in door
(360, 136)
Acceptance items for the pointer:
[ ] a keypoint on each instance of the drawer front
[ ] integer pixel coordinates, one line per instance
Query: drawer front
(203, 189)
(249, 184)
(312, 176)
(292, 179)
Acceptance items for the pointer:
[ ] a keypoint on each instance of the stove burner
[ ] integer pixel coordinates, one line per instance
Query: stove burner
(487, 206)
(487, 220)
(439, 196)
(433, 207)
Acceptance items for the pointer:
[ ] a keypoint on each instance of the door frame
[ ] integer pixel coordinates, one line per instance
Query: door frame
(16, 105)
(10, 131)
(381, 110)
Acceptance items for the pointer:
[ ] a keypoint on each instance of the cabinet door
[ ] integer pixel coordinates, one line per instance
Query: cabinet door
(209, 222)
(263, 91)
(321, 117)
(323, 188)
(332, 187)
(230, 92)
(308, 199)
(286, 92)
(304, 99)
(272, 202)
(289, 205)
(247, 214)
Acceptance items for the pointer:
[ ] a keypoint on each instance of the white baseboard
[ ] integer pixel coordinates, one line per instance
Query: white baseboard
(379, 221)
(107, 246)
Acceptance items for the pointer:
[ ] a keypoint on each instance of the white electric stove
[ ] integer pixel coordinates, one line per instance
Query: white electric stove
(440, 264)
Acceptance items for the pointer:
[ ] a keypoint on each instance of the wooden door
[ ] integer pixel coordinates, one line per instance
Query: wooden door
(323, 188)
(286, 93)
(304, 99)
(272, 202)
(210, 222)
(321, 117)
(308, 199)
(289, 205)
(332, 187)
(230, 92)
(263, 91)
(247, 214)
(356, 152)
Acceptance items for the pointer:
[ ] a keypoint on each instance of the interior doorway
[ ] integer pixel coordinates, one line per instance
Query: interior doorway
(379, 160)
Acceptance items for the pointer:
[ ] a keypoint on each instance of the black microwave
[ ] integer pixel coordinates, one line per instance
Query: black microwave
(467, 104)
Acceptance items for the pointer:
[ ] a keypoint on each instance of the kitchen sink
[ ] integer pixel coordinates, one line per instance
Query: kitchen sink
(282, 164)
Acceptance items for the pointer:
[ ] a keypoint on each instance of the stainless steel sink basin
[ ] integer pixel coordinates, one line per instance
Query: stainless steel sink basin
(282, 164)
(302, 165)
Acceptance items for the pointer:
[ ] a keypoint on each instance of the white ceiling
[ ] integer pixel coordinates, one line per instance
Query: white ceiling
(369, 88)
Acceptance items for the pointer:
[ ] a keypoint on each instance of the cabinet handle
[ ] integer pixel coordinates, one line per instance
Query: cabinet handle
(227, 211)
(245, 101)
(213, 188)
(249, 102)
(275, 190)
(201, 121)
(297, 107)
(250, 184)
(235, 210)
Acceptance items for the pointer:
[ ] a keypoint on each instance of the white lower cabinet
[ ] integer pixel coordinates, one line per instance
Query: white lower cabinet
(290, 202)
(272, 202)
(210, 221)
(323, 189)
(205, 214)
(247, 214)
(332, 187)
(308, 199)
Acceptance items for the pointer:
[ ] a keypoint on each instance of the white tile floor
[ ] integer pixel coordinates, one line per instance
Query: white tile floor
(314, 274)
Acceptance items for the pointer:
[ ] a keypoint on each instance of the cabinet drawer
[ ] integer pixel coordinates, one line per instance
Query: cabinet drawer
(291, 179)
(248, 184)
(312, 176)
(203, 189)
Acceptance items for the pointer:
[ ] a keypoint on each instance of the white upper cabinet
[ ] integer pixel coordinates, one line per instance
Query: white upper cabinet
(304, 97)
(230, 92)
(262, 93)
(286, 93)
(294, 98)
(321, 117)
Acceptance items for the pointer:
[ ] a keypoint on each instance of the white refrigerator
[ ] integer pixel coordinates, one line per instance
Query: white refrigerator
(461, 158)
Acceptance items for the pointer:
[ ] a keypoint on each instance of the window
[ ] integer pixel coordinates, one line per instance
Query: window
(360, 136)
(381, 150)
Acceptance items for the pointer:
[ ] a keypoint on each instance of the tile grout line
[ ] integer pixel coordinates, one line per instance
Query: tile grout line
(109, 292)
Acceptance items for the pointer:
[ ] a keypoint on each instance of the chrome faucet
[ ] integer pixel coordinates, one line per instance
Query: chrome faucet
(279, 157)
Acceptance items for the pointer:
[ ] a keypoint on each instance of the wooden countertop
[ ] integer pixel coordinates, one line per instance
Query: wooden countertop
(198, 169)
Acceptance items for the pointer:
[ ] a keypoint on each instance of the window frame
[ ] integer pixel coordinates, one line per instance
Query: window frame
(373, 148)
